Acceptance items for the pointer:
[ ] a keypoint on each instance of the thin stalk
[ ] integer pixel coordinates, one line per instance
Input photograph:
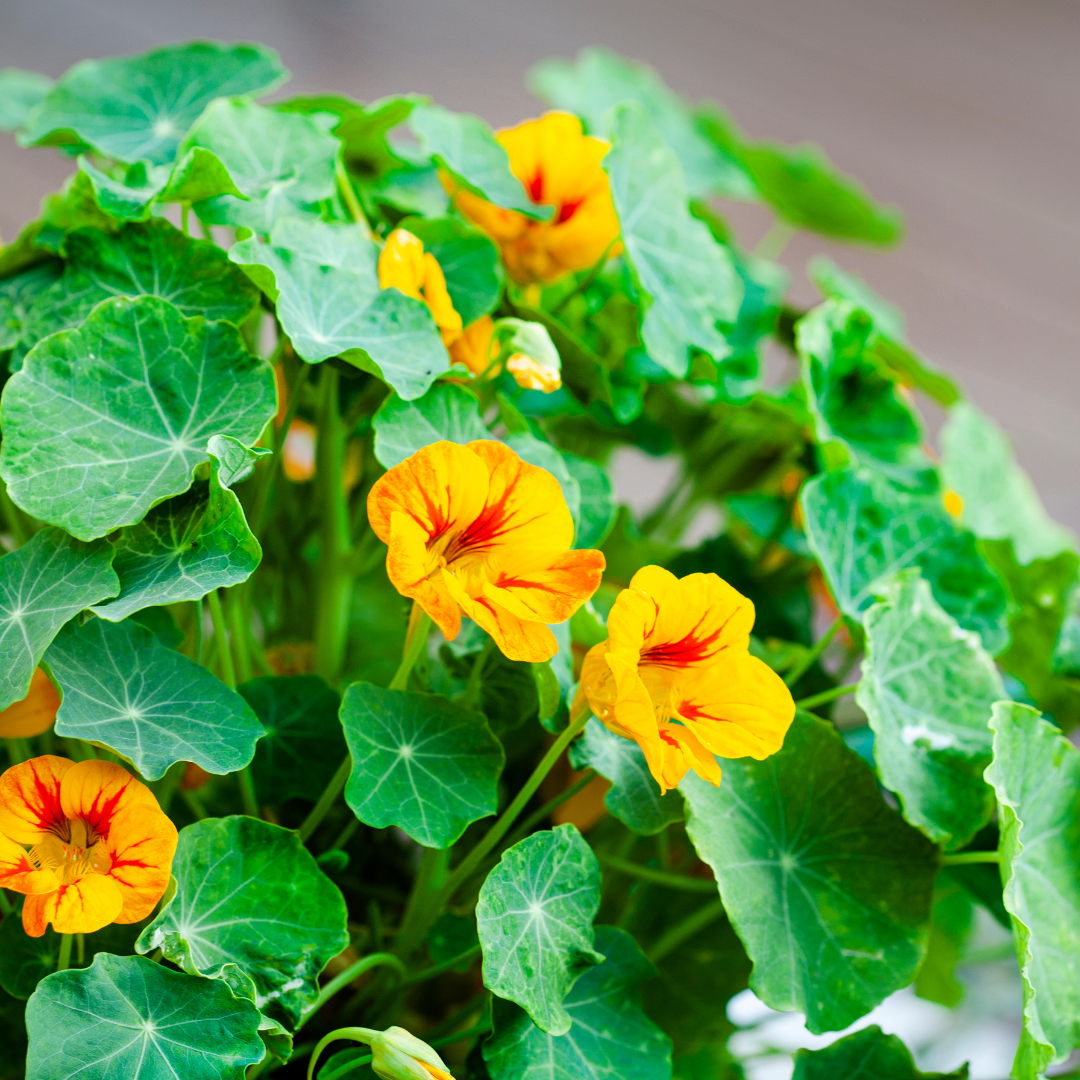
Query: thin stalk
(326, 800)
(80, 949)
(12, 516)
(472, 688)
(658, 877)
(966, 858)
(217, 618)
(348, 195)
(773, 243)
(239, 639)
(808, 661)
(185, 208)
(198, 631)
(344, 836)
(826, 696)
(18, 751)
(194, 804)
(584, 284)
(534, 819)
(429, 880)
(5, 904)
(63, 962)
(415, 640)
(247, 792)
(353, 971)
(446, 965)
(686, 928)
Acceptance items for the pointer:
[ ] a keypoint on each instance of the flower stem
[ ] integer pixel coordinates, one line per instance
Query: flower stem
(18, 751)
(64, 960)
(415, 640)
(247, 792)
(348, 196)
(353, 971)
(826, 696)
(966, 858)
(198, 632)
(239, 638)
(772, 244)
(438, 969)
(471, 692)
(430, 878)
(261, 506)
(685, 928)
(228, 671)
(534, 819)
(5, 904)
(356, 1034)
(326, 800)
(808, 661)
(657, 877)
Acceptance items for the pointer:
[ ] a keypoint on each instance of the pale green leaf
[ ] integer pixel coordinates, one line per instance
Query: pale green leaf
(863, 528)
(687, 281)
(322, 278)
(828, 888)
(465, 146)
(868, 1054)
(419, 762)
(445, 412)
(127, 1017)
(535, 920)
(249, 893)
(1000, 501)
(598, 510)
(1036, 776)
(125, 690)
(105, 421)
(928, 687)
(42, 585)
(129, 198)
(634, 797)
(198, 175)
(20, 91)
(610, 1035)
(17, 296)
(136, 108)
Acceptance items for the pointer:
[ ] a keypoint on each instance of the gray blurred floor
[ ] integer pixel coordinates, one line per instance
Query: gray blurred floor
(963, 112)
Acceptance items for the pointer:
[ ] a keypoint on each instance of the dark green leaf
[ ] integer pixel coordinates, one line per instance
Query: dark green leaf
(446, 412)
(597, 514)
(1036, 776)
(42, 585)
(686, 279)
(250, 894)
(161, 624)
(863, 528)
(20, 91)
(17, 296)
(827, 887)
(127, 1017)
(928, 687)
(123, 689)
(869, 1054)
(322, 278)
(952, 921)
(450, 937)
(535, 922)
(303, 745)
(105, 421)
(634, 797)
(609, 1034)
(138, 107)
(419, 762)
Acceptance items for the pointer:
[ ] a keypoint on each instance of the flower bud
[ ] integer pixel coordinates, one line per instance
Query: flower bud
(398, 1055)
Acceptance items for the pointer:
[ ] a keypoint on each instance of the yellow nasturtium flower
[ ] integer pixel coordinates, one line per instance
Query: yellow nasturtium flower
(86, 843)
(559, 166)
(475, 530)
(405, 265)
(397, 1054)
(33, 714)
(676, 676)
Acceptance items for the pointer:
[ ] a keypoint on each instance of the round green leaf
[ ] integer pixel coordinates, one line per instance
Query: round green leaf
(125, 690)
(138, 107)
(445, 412)
(42, 585)
(535, 920)
(868, 1054)
(419, 762)
(928, 687)
(250, 894)
(127, 1017)
(105, 421)
(20, 91)
(598, 510)
(17, 296)
(828, 888)
(609, 1033)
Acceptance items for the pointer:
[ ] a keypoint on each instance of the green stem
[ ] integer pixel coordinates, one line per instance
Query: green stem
(348, 195)
(80, 949)
(685, 928)
(966, 858)
(584, 284)
(333, 591)
(344, 836)
(247, 792)
(198, 631)
(239, 639)
(808, 661)
(826, 696)
(471, 692)
(354, 1063)
(446, 965)
(657, 877)
(5, 904)
(18, 751)
(194, 804)
(353, 971)
(430, 878)
(326, 800)
(415, 640)
(185, 208)
(356, 1034)
(772, 244)
(64, 960)
(534, 819)
(12, 516)
(217, 618)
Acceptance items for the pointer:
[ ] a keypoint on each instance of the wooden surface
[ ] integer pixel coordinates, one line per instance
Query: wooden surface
(963, 112)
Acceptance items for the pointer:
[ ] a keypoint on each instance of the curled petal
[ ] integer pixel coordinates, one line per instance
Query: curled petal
(551, 594)
(141, 846)
(35, 713)
(30, 799)
(19, 874)
(596, 687)
(530, 374)
(673, 753)
(82, 907)
(408, 566)
(96, 791)
(474, 348)
(517, 639)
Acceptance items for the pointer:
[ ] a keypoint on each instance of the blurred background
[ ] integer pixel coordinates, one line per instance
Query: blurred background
(961, 112)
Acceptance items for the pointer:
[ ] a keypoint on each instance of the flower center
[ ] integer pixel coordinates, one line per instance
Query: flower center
(73, 855)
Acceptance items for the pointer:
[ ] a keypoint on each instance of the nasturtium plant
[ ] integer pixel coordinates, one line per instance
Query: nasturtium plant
(355, 726)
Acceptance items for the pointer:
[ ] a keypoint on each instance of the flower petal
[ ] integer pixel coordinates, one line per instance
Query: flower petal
(518, 639)
(82, 907)
(35, 713)
(96, 791)
(596, 687)
(30, 799)
(551, 594)
(141, 845)
(19, 874)
(473, 349)
(408, 567)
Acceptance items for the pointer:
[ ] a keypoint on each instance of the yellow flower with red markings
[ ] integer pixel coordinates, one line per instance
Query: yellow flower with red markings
(559, 166)
(475, 530)
(34, 713)
(87, 843)
(405, 265)
(676, 676)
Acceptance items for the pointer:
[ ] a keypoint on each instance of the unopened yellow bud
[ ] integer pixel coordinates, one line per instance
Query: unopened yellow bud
(399, 1055)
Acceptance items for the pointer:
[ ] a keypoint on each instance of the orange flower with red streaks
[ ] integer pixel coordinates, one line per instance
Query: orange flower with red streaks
(33, 714)
(676, 676)
(475, 530)
(86, 843)
(559, 166)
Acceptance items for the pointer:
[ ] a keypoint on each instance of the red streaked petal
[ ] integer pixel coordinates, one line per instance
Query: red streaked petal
(141, 846)
(19, 874)
(407, 567)
(96, 791)
(551, 594)
(30, 806)
(516, 638)
(82, 907)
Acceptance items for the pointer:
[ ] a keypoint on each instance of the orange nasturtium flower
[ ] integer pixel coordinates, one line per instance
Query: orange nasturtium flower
(405, 265)
(87, 844)
(35, 713)
(559, 166)
(474, 529)
(676, 676)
